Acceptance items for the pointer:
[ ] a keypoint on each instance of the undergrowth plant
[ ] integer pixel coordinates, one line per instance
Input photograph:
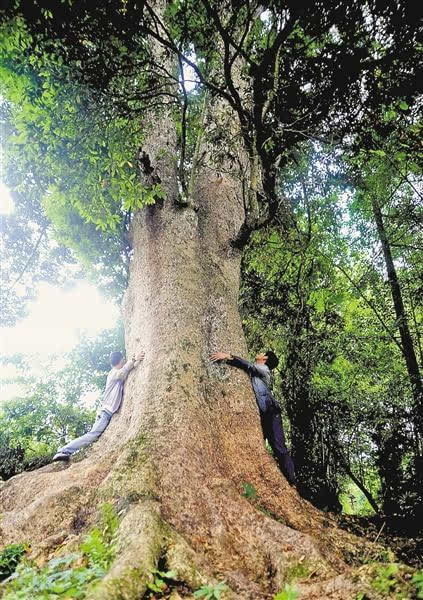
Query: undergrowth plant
(289, 592)
(394, 581)
(249, 491)
(10, 557)
(161, 582)
(385, 580)
(418, 582)
(70, 575)
(211, 592)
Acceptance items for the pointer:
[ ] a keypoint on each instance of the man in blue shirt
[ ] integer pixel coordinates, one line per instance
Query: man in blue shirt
(270, 412)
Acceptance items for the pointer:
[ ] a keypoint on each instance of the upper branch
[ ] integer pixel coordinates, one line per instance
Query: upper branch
(225, 35)
(169, 42)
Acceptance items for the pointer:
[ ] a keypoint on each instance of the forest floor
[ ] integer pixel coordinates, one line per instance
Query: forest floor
(401, 535)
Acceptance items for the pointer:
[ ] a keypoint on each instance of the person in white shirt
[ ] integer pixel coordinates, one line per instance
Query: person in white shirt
(112, 399)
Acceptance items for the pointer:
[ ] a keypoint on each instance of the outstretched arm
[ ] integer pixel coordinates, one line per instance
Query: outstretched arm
(129, 365)
(240, 363)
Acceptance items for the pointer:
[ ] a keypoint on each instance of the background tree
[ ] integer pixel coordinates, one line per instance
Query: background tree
(388, 205)
(320, 297)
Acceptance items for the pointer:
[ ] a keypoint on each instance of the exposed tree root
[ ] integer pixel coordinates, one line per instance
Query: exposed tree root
(153, 544)
(202, 528)
(39, 504)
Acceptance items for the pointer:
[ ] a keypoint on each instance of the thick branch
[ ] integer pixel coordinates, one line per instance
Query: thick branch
(272, 51)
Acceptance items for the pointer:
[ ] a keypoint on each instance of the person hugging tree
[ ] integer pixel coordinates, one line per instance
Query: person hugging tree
(269, 409)
(112, 399)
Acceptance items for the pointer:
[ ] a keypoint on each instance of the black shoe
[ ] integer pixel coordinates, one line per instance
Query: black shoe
(61, 456)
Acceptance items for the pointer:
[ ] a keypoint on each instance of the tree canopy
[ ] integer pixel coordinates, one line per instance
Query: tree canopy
(77, 79)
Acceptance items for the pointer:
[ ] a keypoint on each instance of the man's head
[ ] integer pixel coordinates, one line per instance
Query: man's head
(272, 360)
(268, 358)
(116, 359)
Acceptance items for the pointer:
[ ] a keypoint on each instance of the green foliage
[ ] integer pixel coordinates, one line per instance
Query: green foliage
(418, 582)
(70, 575)
(393, 581)
(161, 580)
(77, 97)
(33, 425)
(60, 578)
(211, 592)
(385, 580)
(99, 546)
(249, 491)
(77, 163)
(297, 571)
(318, 296)
(10, 557)
(11, 458)
(50, 409)
(84, 172)
(352, 498)
(289, 592)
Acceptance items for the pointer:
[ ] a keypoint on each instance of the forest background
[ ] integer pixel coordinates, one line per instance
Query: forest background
(332, 283)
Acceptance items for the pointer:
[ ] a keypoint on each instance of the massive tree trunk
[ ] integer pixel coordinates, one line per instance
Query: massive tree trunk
(175, 459)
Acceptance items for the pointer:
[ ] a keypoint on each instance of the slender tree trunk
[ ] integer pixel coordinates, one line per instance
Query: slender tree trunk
(401, 318)
(345, 465)
(362, 487)
(310, 452)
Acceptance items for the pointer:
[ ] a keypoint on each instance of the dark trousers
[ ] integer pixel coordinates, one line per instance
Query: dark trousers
(271, 424)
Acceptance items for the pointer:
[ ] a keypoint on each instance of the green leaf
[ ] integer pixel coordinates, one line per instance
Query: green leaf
(249, 491)
(289, 592)
(211, 592)
(378, 152)
(390, 115)
(418, 582)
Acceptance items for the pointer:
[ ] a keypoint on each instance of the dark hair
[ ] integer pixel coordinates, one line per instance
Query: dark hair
(115, 358)
(272, 360)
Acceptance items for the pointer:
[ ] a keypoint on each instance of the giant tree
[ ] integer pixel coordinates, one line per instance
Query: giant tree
(199, 175)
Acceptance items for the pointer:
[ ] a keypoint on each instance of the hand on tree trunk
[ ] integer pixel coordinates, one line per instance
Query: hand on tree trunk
(138, 357)
(216, 356)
